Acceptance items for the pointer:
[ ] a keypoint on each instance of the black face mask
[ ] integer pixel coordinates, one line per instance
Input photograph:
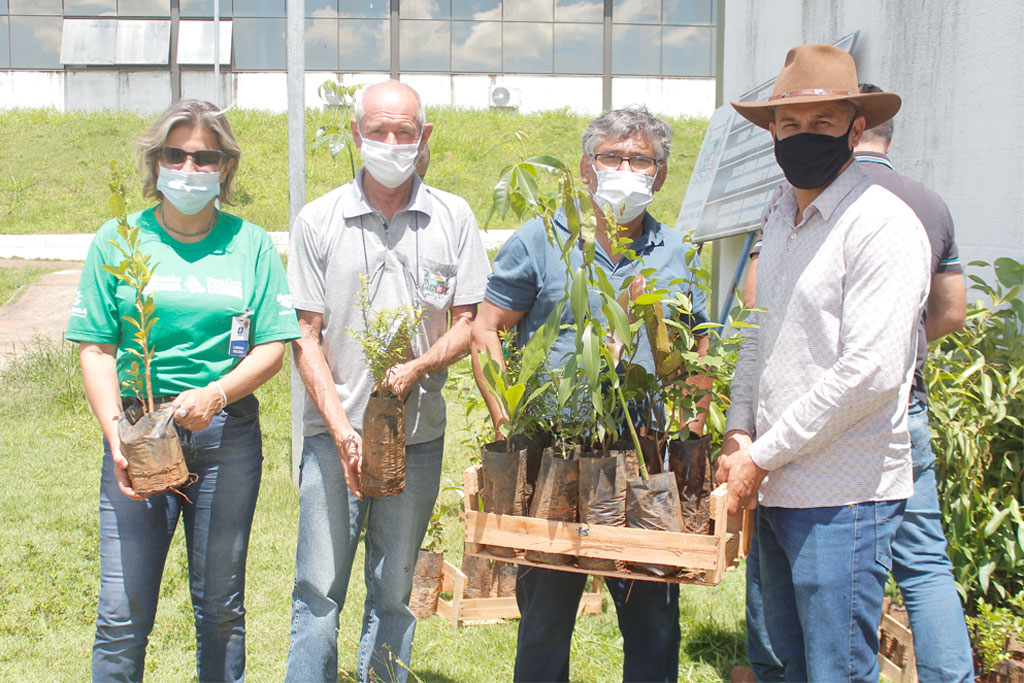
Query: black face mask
(810, 160)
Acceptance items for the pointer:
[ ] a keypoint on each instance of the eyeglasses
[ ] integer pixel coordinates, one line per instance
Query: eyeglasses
(610, 162)
(201, 158)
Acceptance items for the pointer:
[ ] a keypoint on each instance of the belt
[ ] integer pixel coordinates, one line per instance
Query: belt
(129, 401)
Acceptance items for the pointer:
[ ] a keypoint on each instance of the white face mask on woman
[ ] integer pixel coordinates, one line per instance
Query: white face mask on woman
(390, 165)
(188, 192)
(623, 193)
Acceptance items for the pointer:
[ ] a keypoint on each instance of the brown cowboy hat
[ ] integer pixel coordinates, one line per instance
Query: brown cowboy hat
(820, 73)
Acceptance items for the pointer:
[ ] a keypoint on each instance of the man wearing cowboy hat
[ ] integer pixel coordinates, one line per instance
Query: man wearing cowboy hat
(817, 432)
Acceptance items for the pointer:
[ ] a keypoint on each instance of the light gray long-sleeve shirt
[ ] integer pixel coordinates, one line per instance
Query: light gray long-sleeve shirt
(822, 383)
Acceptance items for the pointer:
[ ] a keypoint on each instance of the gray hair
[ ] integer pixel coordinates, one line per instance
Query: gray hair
(421, 113)
(624, 124)
(191, 113)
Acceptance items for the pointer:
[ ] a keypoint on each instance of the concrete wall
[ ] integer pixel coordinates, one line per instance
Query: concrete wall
(957, 65)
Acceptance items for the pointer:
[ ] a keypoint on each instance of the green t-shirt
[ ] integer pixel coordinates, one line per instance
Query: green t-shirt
(197, 289)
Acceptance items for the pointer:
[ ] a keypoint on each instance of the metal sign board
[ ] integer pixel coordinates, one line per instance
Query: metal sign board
(736, 173)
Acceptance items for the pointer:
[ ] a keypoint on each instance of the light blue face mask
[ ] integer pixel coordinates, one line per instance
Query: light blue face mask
(189, 193)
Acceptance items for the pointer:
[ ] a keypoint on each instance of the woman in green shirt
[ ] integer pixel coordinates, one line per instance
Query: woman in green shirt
(223, 317)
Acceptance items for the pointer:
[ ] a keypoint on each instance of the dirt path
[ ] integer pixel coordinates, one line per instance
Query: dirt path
(41, 310)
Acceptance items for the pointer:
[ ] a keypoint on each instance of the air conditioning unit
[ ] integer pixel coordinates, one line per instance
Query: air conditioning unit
(501, 97)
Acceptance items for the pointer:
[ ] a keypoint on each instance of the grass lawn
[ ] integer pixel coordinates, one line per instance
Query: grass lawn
(49, 472)
(14, 278)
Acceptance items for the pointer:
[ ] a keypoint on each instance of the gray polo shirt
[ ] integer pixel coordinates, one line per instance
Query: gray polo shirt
(822, 383)
(430, 255)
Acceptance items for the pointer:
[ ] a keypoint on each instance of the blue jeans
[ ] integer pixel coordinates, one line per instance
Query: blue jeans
(823, 574)
(227, 457)
(648, 613)
(330, 521)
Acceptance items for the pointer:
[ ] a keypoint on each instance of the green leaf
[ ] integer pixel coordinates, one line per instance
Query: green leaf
(994, 522)
(1009, 272)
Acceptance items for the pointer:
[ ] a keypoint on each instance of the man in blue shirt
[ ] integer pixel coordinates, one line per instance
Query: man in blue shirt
(625, 155)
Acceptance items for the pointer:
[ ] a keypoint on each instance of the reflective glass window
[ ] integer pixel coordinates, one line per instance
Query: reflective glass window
(321, 37)
(35, 42)
(5, 46)
(636, 50)
(636, 12)
(526, 48)
(90, 8)
(3, 9)
(88, 41)
(365, 44)
(578, 49)
(528, 10)
(579, 10)
(144, 8)
(143, 42)
(195, 42)
(259, 44)
(260, 8)
(321, 9)
(476, 10)
(476, 46)
(204, 8)
(686, 11)
(364, 9)
(36, 7)
(426, 9)
(425, 45)
(686, 51)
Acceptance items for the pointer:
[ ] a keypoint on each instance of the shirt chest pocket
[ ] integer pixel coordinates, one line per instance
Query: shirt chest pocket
(436, 285)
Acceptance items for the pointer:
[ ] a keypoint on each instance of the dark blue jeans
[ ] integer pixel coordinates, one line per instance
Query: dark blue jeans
(648, 613)
(227, 457)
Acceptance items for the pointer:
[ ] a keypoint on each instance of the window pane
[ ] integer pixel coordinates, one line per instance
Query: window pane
(321, 9)
(36, 7)
(424, 45)
(143, 42)
(5, 46)
(426, 9)
(686, 11)
(579, 10)
(527, 48)
(259, 44)
(144, 8)
(528, 10)
(636, 12)
(35, 42)
(88, 41)
(476, 46)
(365, 44)
(204, 8)
(686, 51)
(477, 10)
(259, 8)
(578, 49)
(195, 42)
(321, 38)
(89, 8)
(636, 50)
(365, 9)
(3, 10)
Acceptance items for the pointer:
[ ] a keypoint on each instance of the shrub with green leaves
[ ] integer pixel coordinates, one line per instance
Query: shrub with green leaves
(975, 384)
(385, 336)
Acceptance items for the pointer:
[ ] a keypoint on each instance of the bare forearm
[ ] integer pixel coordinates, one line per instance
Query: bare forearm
(450, 347)
(487, 340)
(253, 371)
(319, 383)
(102, 388)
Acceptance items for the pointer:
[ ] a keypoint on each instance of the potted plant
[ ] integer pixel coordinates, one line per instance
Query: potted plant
(385, 341)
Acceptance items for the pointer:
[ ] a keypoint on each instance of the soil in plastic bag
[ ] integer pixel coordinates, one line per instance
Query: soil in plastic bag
(153, 451)
(503, 580)
(650, 441)
(654, 504)
(690, 462)
(555, 497)
(534, 446)
(383, 471)
(602, 485)
(478, 576)
(426, 583)
(504, 481)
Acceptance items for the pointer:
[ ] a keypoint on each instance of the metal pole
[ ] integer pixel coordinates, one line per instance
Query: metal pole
(606, 79)
(395, 55)
(216, 53)
(175, 69)
(719, 53)
(296, 57)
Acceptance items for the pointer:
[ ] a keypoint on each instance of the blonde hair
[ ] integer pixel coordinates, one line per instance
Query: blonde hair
(191, 113)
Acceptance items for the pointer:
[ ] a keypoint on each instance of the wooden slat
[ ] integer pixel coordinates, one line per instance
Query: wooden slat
(907, 673)
(691, 577)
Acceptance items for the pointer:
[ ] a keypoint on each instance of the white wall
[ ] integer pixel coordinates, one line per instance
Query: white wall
(959, 70)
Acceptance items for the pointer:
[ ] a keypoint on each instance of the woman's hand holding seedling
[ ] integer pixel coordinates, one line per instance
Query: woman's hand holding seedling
(193, 409)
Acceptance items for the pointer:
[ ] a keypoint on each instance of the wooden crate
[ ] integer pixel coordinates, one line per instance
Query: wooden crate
(704, 558)
(462, 611)
(896, 660)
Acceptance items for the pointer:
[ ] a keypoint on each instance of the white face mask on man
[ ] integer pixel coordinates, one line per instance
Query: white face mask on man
(623, 193)
(390, 165)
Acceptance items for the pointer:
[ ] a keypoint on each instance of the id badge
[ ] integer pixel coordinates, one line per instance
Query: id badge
(239, 344)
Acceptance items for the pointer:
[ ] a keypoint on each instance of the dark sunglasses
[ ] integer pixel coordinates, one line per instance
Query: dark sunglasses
(201, 158)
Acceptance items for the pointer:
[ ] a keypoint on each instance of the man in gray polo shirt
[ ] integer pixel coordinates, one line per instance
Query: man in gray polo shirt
(416, 246)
